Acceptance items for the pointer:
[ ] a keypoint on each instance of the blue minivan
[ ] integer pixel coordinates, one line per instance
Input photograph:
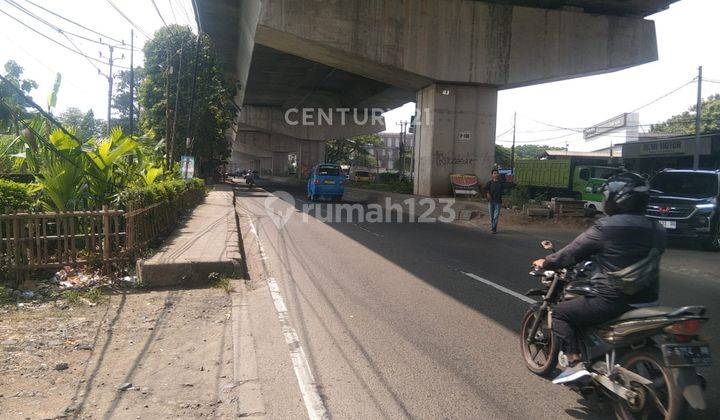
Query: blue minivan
(326, 180)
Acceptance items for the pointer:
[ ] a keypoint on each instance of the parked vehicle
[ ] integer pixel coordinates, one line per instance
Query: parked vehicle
(644, 361)
(565, 178)
(360, 176)
(326, 180)
(686, 203)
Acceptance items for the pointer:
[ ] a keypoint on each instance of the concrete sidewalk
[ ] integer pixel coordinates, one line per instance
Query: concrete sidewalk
(206, 242)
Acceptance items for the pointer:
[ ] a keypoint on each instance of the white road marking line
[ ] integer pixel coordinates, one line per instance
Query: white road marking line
(500, 288)
(308, 388)
(306, 381)
(368, 230)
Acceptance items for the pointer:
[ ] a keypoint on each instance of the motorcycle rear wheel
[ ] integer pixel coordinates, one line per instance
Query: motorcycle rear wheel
(546, 345)
(666, 404)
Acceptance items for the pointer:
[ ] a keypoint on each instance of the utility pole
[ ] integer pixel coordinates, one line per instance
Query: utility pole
(402, 125)
(175, 108)
(132, 84)
(110, 86)
(168, 72)
(512, 149)
(698, 114)
(189, 137)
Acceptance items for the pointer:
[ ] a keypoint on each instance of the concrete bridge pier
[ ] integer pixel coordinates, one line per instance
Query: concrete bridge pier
(455, 133)
(311, 154)
(280, 163)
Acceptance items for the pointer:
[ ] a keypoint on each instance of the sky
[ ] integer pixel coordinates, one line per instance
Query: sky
(687, 37)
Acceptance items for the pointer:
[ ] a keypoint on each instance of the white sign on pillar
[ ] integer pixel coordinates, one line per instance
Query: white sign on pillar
(464, 136)
(187, 167)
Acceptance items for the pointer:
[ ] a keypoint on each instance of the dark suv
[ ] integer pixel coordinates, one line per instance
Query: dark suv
(686, 202)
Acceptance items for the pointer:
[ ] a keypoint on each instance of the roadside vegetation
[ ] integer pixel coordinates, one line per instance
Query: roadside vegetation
(70, 161)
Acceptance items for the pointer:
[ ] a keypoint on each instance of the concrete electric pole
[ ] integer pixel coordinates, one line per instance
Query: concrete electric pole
(132, 84)
(698, 115)
(110, 86)
(401, 168)
(512, 150)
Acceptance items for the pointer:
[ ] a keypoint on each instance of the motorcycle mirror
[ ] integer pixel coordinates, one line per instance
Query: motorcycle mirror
(546, 245)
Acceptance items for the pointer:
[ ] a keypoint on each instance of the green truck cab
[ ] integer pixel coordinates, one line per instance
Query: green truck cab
(564, 178)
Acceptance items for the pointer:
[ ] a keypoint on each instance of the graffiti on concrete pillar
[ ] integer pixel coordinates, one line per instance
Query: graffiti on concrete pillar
(443, 160)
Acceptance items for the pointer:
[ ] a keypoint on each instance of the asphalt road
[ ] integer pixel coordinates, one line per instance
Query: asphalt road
(393, 327)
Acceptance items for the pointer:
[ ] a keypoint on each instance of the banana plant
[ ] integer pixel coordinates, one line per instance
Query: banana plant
(105, 157)
(58, 165)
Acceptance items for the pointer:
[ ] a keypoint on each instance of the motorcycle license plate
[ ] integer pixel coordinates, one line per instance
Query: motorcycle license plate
(329, 181)
(668, 224)
(682, 355)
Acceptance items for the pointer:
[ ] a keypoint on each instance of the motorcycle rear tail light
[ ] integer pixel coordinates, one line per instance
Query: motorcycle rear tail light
(688, 327)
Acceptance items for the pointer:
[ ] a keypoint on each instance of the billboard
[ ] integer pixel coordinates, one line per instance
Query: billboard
(606, 126)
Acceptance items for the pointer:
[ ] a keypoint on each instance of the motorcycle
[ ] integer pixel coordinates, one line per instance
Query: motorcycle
(644, 362)
(250, 180)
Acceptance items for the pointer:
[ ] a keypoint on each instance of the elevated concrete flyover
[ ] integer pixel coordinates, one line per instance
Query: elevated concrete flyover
(449, 56)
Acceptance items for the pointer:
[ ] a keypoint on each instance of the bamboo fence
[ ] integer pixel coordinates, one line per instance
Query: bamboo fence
(103, 237)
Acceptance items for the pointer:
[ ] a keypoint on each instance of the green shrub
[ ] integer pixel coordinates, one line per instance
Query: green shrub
(387, 178)
(518, 197)
(158, 191)
(15, 196)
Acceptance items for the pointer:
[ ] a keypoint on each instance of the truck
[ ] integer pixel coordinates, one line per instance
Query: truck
(564, 178)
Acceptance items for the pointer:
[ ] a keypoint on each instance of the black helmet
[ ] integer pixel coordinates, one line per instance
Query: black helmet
(626, 192)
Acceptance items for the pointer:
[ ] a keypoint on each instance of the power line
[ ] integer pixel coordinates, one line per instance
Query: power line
(504, 132)
(51, 39)
(172, 10)
(43, 64)
(53, 26)
(664, 96)
(110, 2)
(185, 12)
(556, 126)
(121, 42)
(158, 12)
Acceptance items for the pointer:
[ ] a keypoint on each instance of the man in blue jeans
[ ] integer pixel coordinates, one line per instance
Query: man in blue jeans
(493, 193)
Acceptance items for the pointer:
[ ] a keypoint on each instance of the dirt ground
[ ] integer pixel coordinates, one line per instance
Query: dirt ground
(137, 354)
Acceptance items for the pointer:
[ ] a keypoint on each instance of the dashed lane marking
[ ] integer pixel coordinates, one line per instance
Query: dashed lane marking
(500, 288)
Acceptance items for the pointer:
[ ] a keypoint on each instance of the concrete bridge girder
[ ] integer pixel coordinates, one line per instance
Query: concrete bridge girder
(312, 124)
(276, 148)
(410, 44)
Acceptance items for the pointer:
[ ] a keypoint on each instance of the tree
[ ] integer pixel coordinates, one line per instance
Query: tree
(121, 98)
(523, 151)
(84, 124)
(10, 118)
(169, 63)
(502, 156)
(354, 151)
(93, 127)
(685, 123)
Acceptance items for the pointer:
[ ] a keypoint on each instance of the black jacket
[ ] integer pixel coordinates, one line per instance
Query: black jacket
(613, 243)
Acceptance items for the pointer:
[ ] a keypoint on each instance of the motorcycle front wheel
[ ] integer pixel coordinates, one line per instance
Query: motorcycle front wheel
(662, 400)
(540, 353)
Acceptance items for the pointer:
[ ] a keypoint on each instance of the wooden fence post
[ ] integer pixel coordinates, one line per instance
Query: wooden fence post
(106, 238)
(130, 229)
(18, 251)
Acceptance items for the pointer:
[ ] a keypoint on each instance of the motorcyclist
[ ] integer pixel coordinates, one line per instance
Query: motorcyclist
(625, 239)
(250, 178)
